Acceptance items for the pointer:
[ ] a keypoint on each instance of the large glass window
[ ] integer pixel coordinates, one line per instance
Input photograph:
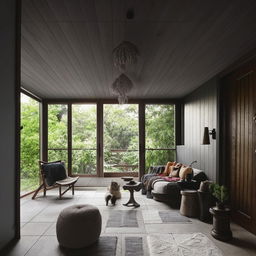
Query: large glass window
(84, 139)
(29, 144)
(57, 133)
(160, 134)
(121, 138)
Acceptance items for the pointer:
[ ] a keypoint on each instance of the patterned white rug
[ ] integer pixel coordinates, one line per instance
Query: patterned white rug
(195, 244)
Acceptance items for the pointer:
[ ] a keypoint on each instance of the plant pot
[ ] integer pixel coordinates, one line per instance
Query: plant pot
(220, 205)
(221, 224)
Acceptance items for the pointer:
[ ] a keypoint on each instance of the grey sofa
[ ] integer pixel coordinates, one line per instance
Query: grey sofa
(156, 187)
(169, 192)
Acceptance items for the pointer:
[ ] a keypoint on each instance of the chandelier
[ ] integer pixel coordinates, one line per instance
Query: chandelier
(125, 53)
(120, 87)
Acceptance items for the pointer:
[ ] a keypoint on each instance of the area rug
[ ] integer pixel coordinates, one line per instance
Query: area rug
(120, 218)
(168, 216)
(106, 246)
(134, 246)
(196, 244)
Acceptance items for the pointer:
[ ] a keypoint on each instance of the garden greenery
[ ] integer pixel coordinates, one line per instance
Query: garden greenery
(121, 137)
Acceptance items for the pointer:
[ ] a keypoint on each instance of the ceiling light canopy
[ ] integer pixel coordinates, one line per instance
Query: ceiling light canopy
(120, 87)
(125, 53)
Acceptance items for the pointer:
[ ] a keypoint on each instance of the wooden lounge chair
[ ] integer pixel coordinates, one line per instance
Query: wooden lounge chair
(54, 174)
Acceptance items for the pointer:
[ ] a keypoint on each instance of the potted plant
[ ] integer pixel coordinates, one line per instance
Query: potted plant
(220, 193)
(221, 213)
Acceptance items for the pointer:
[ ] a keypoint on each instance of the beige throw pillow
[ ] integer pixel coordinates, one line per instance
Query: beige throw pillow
(184, 170)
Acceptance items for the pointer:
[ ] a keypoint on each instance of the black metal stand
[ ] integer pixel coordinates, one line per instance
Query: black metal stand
(132, 188)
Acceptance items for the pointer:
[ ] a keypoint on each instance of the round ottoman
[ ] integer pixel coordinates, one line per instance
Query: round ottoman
(78, 226)
(189, 203)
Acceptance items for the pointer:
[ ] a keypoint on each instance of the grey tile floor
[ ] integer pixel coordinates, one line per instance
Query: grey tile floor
(38, 220)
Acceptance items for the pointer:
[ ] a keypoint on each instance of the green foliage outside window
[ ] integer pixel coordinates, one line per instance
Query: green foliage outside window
(121, 137)
(57, 133)
(29, 143)
(160, 134)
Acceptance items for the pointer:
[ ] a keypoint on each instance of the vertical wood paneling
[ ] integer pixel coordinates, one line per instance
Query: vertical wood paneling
(240, 130)
(200, 110)
(253, 153)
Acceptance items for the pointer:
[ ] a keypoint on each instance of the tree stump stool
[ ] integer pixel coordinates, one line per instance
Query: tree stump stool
(206, 201)
(189, 203)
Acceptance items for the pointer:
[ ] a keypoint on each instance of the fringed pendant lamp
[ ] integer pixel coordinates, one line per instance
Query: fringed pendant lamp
(125, 53)
(120, 87)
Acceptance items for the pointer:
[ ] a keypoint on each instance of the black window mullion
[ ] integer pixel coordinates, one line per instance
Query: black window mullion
(69, 139)
(141, 139)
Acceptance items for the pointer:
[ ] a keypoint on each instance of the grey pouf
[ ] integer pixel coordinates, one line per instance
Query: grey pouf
(78, 226)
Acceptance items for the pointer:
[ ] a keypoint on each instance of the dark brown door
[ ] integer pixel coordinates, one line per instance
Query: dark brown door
(240, 134)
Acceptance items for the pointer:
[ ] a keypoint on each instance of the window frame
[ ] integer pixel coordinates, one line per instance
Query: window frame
(39, 100)
(99, 105)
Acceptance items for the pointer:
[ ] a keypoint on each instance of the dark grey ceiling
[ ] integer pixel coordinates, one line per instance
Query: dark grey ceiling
(66, 45)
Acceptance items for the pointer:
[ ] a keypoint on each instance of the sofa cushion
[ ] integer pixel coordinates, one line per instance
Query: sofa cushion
(160, 187)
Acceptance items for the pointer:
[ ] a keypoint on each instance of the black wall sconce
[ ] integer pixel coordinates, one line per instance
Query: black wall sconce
(207, 133)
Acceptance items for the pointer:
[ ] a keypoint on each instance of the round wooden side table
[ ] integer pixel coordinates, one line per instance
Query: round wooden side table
(189, 203)
(221, 223)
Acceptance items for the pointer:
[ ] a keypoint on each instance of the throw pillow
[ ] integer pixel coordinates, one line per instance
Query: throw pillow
(174, 172)
(184, 170)
(167, 168)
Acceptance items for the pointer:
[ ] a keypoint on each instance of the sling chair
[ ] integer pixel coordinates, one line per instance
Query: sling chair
(54, 174)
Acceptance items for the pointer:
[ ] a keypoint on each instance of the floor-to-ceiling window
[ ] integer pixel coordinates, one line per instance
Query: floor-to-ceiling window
(103, 139)
(84, 139)
(121, 138)
(160, 134)
(58, 132)
(29, 144)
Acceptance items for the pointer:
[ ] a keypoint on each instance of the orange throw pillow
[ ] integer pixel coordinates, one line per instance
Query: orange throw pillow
(184, 171)
(167, 168)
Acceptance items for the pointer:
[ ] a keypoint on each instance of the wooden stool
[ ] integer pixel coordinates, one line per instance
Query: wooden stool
(189, 203)
(206, 201)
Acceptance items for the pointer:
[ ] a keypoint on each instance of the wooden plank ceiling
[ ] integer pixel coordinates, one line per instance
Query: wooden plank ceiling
(66, 45)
